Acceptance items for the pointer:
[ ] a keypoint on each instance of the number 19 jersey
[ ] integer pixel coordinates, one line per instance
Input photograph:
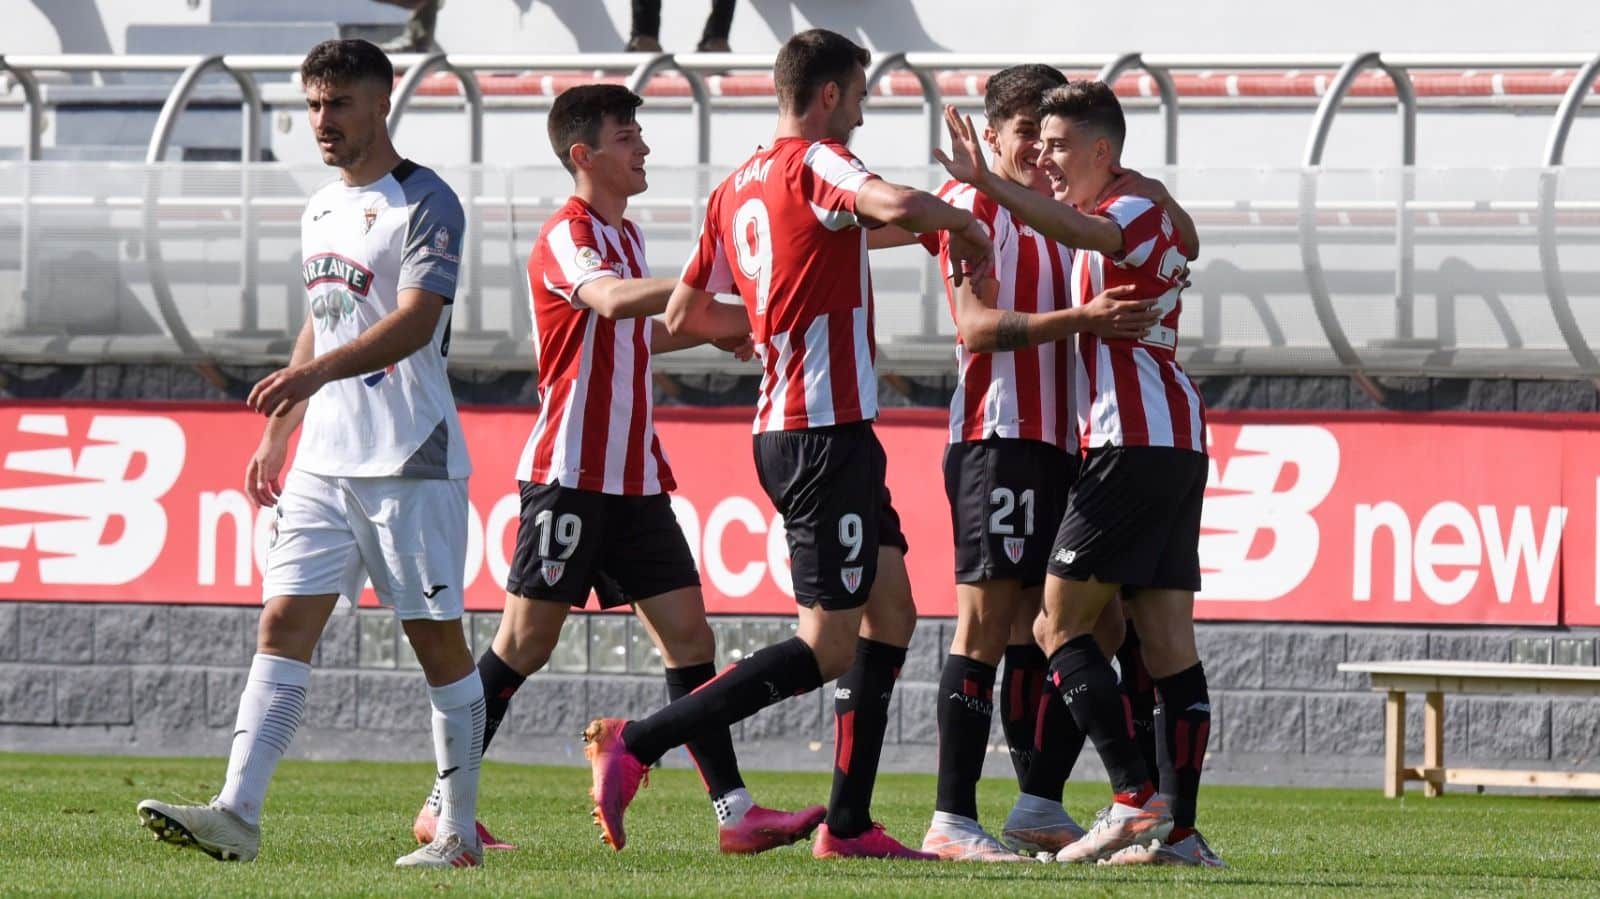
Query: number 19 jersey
(783, 233)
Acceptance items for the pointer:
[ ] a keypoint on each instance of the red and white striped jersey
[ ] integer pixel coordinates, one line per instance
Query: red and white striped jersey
(1132, 392)
(596, 426)
(782, 232)
(1021, 394)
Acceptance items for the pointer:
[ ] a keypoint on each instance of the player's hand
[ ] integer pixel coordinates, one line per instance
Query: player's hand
(1128, 182)
(261, 482)
(1115, 315)
(742, 348)
(282, 390)
(965, 162)
(971, 253)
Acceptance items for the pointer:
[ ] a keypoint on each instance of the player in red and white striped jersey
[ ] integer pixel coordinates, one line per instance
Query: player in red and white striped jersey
(786, 231)
(594, 480)
(1013, 454)
(1133, 517)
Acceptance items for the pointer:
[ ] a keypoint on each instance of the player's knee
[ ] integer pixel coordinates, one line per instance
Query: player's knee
(693, 645)
(525, 649)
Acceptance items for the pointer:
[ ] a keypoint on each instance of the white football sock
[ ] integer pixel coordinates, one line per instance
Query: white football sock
(270, 709)
(458, 716)
(732, 805)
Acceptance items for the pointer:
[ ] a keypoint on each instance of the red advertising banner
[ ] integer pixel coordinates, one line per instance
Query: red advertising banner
(1309, 517)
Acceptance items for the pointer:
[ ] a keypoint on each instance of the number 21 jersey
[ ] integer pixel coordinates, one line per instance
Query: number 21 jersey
(782, 232)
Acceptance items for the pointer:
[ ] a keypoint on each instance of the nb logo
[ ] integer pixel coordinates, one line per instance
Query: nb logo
(80, 495)
(1245, 497)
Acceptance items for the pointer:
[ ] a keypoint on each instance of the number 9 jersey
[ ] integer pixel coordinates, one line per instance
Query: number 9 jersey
(782, 232)
(1132, 392)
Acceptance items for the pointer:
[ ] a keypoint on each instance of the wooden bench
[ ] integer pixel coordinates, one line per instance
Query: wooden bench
(1436, 678)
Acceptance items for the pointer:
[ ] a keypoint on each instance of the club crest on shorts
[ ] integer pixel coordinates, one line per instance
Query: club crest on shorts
(1014, 547)
(553, 571)
(851, 577)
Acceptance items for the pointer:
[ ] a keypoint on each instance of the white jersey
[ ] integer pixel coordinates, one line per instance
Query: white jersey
(361, 246)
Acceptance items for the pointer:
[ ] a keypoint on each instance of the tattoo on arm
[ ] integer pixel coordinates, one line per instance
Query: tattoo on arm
(1012, 332)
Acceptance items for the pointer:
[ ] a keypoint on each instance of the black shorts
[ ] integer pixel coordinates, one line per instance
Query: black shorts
(624, 548)
(828, 484)
(1006, 500)
(1133, 518)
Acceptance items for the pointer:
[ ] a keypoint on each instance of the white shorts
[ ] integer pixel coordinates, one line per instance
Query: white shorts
(408, 535)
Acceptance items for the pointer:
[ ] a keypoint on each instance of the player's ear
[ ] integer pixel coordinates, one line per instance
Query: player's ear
(832, 92)
(991, 137)
(580, 154)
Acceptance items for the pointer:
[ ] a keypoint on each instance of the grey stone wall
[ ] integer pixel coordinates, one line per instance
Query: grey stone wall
(165, 680)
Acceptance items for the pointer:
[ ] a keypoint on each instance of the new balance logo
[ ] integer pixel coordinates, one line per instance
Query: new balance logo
(841, 693)
(433, 591)
(1065, 556)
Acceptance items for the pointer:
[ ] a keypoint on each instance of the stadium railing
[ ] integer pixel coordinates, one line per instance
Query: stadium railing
(1302, 243)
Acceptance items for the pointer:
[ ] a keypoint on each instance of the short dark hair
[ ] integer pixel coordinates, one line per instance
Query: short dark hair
(345, 62)
(1090, 103)
(1018, 89)
(810, 60)
(578, 114)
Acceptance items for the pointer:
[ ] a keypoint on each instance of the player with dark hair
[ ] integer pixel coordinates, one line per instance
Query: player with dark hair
(1012, 456)
(1133, 517)
(594, 479)
(378, 489)
(785, 231)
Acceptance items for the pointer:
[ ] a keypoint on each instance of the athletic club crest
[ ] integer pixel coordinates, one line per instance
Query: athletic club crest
(553, 571)
(1014, 546)
(371, 214)
(851, 578)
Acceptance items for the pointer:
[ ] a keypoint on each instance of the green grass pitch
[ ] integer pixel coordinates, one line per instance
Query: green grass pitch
(67, 826)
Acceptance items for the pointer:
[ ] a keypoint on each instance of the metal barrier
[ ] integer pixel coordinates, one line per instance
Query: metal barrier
(1550, 212)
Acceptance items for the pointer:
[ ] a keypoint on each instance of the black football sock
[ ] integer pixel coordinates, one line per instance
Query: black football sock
(1020, 688)
(1058, 741)
(1088, 686)
(861, 715)
(965, 707)
(1185, 718)
(765, 678)
(712, 750)
(1139, 690)
(500, 683)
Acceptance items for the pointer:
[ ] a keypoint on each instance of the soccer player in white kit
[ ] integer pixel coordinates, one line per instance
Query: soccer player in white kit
(378, 489)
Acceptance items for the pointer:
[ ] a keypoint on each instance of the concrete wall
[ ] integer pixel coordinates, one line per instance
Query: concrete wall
(164, 680)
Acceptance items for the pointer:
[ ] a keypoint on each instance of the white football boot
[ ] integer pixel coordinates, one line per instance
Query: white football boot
(1122, 826)
(447, 851)
(212, 829)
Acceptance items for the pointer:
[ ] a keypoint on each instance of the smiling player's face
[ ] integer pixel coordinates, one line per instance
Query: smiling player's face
(617, 161)
(1071, 159)
(1015, 145)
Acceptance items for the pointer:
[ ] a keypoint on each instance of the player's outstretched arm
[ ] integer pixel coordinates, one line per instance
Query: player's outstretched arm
(919, 211)
(393, 338)
(1053, 219)
(620, 298)
(1113, 315)
(664, 341)
(696, 313)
